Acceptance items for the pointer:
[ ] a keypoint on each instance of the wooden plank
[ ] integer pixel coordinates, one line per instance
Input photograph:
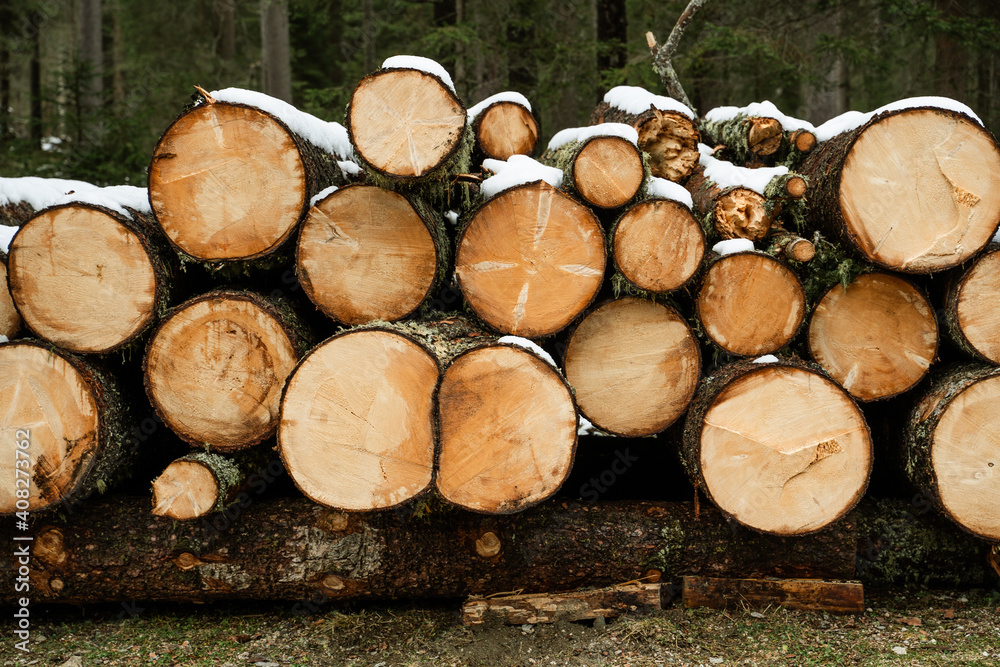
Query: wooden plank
(840, 597)
(549, 608)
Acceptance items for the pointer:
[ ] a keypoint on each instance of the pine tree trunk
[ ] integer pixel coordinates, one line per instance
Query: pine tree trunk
(293, 549)
(89, 279)
(199, 484)
(605, 171)
(530, 260)
(634, 366)
(276, 57)
(505, 128)
(67, 421)
(777, 447)
(877, 337)
(365, 253)
(669, 138)
(231, 182)
(952, 452)
(971, 319)
(10, 319)
(215, 367)
(750, 303)
(912, 190)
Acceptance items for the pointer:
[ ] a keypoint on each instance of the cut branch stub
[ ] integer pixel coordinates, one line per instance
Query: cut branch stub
(953, 448)
(657, 245)
(750, 303)
(912, 190)
(530, 260)
(634, 366)
(504, 129)
(10, 319)
(87, 278)
(230, 182)
(63, 415)
(670, 139)
(365, 254)
(778, 447)
(508, 430)
(877, 337)
(215, 367)
(357, 420)
(972, 319)
(405, 123)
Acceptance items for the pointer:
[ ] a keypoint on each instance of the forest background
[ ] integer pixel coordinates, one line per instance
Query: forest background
(87, 86)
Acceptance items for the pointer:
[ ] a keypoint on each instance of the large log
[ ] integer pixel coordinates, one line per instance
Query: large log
(777, 446)
(365, 253)
(63, 423)
(215, 367)
(231, 178)
(292, 549)
(530, 260)
(971, 320)
(952, 449)
(877, 336)
(911, 189)
(634, 366)
(88, 278)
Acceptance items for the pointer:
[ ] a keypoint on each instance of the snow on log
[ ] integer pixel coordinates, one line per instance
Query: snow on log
(504, 126)
(602, 163)
(971, 317)
(757, 133)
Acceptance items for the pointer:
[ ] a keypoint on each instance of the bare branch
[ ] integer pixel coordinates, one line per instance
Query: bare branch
(663, 54)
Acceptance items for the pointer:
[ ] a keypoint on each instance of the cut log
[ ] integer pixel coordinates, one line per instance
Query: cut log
(365, 253)
(357, 427)
(562, 607)
(657, 245)
(971, 319)
(912, 189)
(953, 448)
(89, 279)
(634, 366)
(836, 597)
(530, 260)
(734, 212)
(504, 127)
(750, 303)
(778, 447)
(215, 367)
(229, 181)
(408, 124)
(10, 319)
(63, 424)
(745, 137)
(669, 137)
(198, 484)
(607, 171)
(294, 549)
(790, 246)
(877, 337)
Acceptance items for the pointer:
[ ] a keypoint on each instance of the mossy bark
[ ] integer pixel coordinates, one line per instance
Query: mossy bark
(757, 141)
(15, 214)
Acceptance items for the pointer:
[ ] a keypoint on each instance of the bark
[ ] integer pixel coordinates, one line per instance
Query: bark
(670, 139)
(276, 58)
(292, 549)
(838, 597)
(663, 55)
(566, 607)
(758, 141)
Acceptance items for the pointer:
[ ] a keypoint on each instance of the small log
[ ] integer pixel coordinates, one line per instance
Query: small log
(10, 319)
(215, 367)
(530, 260)
(972, 324)
(912, 190)
(562, 607)
(745, 137)
(365, 253)
(750, 303)
(836, 597)
(198, 484)
(64, 423)
(877, 337)
(90, 279)
(778, 447)
(504, 126)
(790, 246)
(634, 366)
(951, 452)
(657, 245)
(606, 171)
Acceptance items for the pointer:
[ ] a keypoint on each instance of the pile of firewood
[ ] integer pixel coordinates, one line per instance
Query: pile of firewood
(747, 270)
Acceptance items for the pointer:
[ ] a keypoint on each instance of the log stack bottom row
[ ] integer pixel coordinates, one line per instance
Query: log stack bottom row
(590, 252)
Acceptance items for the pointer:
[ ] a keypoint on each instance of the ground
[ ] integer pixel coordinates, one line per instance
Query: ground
(898, 628)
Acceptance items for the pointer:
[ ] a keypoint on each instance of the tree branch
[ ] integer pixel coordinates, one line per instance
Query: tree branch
(663, 54)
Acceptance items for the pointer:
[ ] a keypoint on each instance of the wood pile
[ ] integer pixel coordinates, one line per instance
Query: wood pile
(737, 283)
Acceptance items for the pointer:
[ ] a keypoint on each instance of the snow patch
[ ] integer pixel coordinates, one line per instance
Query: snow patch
(420, 63)
(529, 345)
(451, 217)
(517, 170)
(636, 100)
(763, 109)
(852, 120)
(766, 359)
(331, 137)
(664, 189)
(506, 96)
(731, 246)
(996, 237)
(115, 197)
(321, 195)
(728, 175)
(6, 235)
(51, 143)
(584, 427)
(38, 193)
(348, 168)
(581, 134)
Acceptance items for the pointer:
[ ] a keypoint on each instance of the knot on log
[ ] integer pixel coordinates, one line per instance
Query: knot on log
(488, 544)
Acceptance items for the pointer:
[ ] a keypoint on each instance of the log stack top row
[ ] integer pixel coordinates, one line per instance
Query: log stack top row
(774, 223)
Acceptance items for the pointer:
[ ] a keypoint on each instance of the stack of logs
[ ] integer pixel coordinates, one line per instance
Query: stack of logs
(830, 246)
